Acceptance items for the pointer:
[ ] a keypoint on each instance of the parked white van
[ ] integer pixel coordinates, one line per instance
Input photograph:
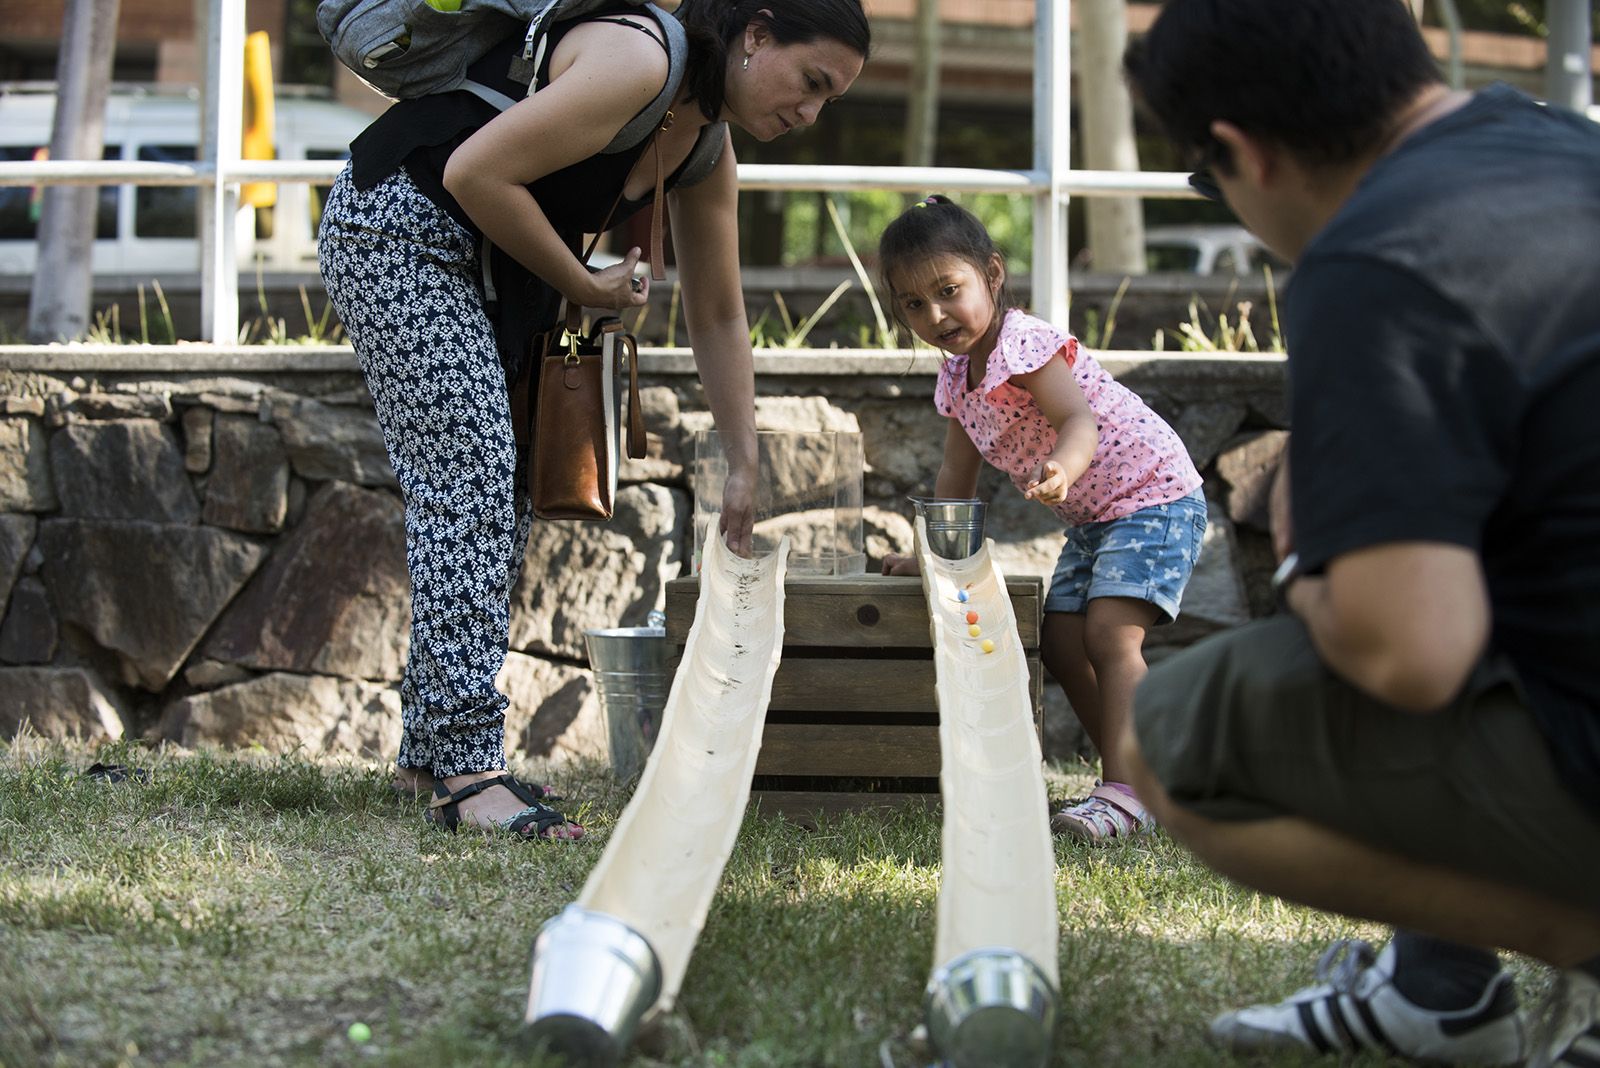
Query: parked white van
(1207, 249)
(144, 231)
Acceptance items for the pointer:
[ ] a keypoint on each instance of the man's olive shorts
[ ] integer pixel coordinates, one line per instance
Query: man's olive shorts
(1249, 724)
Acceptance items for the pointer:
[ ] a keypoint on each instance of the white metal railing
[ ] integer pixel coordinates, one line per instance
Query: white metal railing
(751, 176)
(1051, 183)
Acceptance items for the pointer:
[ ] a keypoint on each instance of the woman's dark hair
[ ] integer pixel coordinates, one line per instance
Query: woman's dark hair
(1323, 78)
(714, 27)
(936, 226)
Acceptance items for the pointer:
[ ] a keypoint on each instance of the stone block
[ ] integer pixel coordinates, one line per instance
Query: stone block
(145, 591)
(333, 598)
(555, 710)
(16, 543)
(315, 714)
(29, 633)
(1205, 427)
(249, 485)
(94, 407)
(58, 703)
(327, 442)
(1248, 466)
(25, 482)
(576, 576)
(122, 470)
(197, 439)
(664, 448)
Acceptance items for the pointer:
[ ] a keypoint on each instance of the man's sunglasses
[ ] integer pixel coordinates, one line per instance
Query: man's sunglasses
(1204, 182)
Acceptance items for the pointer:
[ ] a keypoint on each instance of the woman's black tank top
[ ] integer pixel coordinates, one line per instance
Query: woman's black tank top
(421, 133)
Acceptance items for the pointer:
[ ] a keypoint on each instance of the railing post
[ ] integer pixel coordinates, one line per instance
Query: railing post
(1568, 81)
(221, 130)
(1052, 118)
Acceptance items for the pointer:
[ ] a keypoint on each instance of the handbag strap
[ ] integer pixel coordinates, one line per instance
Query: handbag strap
(574, 313)
(658, 271)
(636, 440)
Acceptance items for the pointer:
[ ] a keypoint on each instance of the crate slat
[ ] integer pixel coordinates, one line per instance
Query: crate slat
(875, 612)
(864, 685)
(867, 750)
(803, 806)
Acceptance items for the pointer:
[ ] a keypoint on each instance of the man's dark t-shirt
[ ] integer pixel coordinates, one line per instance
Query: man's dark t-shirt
(1444, 340)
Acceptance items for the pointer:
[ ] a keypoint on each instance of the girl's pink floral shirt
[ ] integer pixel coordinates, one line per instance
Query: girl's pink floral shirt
(1141, 460)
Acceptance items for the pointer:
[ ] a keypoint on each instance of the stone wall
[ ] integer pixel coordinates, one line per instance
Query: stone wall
(207, 547)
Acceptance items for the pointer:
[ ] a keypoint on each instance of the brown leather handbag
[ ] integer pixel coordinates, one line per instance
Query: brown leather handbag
(587, 411)
(581, 411)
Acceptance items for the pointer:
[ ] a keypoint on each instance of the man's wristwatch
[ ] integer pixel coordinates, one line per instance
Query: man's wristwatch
(1287, 572)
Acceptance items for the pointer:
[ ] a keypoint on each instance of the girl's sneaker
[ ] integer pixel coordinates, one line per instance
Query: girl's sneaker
(1110, 811)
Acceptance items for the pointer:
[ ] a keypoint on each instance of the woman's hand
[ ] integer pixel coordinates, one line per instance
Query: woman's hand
(895, 564)
(738, 511)
(617, 287)
(1049, 484)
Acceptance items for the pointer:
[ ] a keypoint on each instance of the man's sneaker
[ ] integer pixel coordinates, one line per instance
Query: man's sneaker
(1107, 813)
(1569, 1035)
(1355, 1006)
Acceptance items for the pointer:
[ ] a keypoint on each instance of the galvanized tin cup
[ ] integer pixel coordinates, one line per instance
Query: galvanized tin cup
(630, 671)
(991, 1008)
(594, 977)
(954, 524)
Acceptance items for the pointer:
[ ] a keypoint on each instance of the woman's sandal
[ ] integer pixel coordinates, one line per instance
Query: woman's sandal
(420, 790)
(444, 811)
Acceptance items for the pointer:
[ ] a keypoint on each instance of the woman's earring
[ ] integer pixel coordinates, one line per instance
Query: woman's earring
(746, 61)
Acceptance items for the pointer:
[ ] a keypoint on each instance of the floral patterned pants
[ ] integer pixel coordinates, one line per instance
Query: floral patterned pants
(404, 278)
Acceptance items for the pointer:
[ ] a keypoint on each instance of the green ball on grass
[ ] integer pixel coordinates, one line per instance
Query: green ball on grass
(359, 1032)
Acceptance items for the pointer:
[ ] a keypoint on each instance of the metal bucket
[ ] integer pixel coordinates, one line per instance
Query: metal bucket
(991, 1008)
(594, 977)
(955, 525)
(630, 671)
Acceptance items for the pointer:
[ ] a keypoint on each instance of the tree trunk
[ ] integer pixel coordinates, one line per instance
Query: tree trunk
(1116, 224)
(63, 282)
(922, 102)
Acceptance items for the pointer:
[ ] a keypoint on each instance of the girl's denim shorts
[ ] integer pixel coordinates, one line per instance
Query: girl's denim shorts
(1148, 556)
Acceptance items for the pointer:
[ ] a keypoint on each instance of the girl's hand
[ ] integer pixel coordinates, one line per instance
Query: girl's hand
(738, 512)
(617, 287)
(1049, 484)
(895, 564)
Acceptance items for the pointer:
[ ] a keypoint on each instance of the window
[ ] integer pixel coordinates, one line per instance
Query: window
(20, 204)
(1181, 258)
(319, 193)
(165, 210)
(1261, 256)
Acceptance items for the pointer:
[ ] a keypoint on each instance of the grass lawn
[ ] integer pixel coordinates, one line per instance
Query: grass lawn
(246, 909)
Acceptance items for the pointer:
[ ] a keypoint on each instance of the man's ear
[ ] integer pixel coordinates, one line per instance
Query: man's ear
(1253, 159)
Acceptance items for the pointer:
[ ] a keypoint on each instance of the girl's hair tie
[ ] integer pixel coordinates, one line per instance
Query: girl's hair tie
(933, 198)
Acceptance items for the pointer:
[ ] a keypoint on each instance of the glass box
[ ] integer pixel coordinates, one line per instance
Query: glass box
(808, 486)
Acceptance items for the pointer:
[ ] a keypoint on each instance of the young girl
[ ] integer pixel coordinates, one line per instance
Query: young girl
(1025, 397)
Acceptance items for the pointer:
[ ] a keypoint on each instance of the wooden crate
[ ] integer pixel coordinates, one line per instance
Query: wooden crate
(853, 721)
